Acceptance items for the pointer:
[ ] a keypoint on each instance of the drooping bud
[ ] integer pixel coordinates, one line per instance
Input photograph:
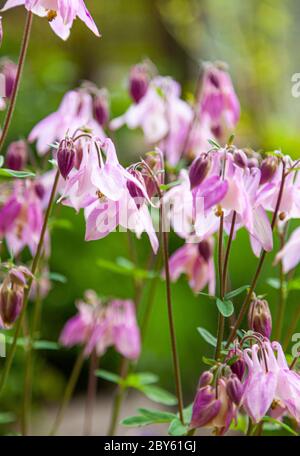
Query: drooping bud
(252, 162)
(155, 162)
(235, 389)
(259, 317)
(16, 156)
(205, 250)
(138, 82)
(9, 70)
(205, 408)
(101, 107)
(66, 156)
(39, 190)
(268, 168)
(238, 367)
(134, 190)
(199, 170)
(240, 158)
(205, 379)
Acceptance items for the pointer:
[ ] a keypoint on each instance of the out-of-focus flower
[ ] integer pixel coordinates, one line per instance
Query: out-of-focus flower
(139, 82)
(218, 100)
(290, 253)
(12, 295)
(101, 107)
(235, 389)
(41, 286)
(164, 118)
(238, 367)
(9, 70)
(259, 317)
(213, 408)
(196, 261)
(270, 380)
(98, 327)
(59, 13)
(16, 155)
(75, 112)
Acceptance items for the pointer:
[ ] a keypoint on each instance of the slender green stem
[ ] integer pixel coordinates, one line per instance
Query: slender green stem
(282, 295)
(68, 392)
(91, 394)
(247, 300)
(227, 254)
(118, 399)
(221, 320)
(35, 263)
(22, 57)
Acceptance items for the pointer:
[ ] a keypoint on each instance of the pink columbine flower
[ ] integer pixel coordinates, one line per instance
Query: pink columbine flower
(76, 111)
(161, 114)
(60, 13)
(196, 261)
(100, 186)
(98, 327)
(218, 100)
(289, 255)
(270, 379)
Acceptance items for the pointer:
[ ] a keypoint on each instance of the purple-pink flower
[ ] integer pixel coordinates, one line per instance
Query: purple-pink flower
(99, 327)
(59, 13)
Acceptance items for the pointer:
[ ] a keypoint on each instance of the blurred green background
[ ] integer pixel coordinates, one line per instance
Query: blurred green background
(259, 41)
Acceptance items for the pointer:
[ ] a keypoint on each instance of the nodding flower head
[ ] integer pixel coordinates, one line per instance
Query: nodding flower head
(135, 191)
(259, 317)
(138, 82)
(238, 366)
(235, 389)
(9, 70)
(16, 156)
(12, 295)
(199, 170)
(205, 249)
(205, 379)
(268, 168)
(101, 107)
(66, 156)
(240, 158)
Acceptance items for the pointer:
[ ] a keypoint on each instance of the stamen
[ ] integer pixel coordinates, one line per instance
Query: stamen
(51, 15)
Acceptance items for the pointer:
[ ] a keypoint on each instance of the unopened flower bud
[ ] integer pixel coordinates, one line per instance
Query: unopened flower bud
(9, 70)
(205, 250)
(101, 107)
(134, 190)
(11, 300)
(238, 367)
(240, 158)
(259, 317)
(79, 155)
(235, 389)
(16, 156)
(155, 163)
(39, 190)
(66, 156)
(199, 170)
(252, 162)
(268, 168)
(205, 379)
(139, 82)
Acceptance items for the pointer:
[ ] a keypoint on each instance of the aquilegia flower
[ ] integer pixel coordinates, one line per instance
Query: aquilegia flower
(98, 327)
(59, 13)
(75, 112)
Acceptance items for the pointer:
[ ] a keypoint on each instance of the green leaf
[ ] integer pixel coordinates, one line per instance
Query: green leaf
(125, 267)
(139, 379)
(136, 421)
(274, 283)
(159, 395)
(63, 224)
(268, 419)
(208, 361)
(232, 360)
(157, 416)
(10, 173)
(109, 376)
(225, 307)
(46, 345)
(241, 424)
(176, 428)
(187, 413)
(207, 336)
(214, 143)
(56, 277)
(7, 418)
(236, 292)
(170, 185)
(294, 284)
(207, 295)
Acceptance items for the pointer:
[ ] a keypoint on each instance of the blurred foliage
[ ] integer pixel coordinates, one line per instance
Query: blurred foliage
(258, 39)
